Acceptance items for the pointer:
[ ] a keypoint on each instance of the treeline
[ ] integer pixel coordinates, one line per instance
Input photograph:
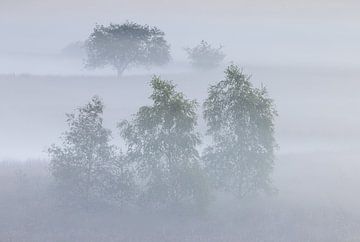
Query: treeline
(161, 166)
(122, 46)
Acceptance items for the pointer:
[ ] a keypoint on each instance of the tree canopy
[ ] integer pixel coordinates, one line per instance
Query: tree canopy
(240, 119)
(161, 166)
(204, 56)
(86, 166)
(126, 45)
(162, 142)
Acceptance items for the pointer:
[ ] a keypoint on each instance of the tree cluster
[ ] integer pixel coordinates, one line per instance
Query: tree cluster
(131, 44)
(162, 166)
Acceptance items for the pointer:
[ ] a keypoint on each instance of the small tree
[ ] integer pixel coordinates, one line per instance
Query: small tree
(74, 50)
(129, 44)
(204, 56)
(240, 120)
(86, 167)
(162, 144)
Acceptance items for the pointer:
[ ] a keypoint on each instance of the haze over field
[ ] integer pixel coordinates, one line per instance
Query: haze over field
(304, 52)
(263, 32)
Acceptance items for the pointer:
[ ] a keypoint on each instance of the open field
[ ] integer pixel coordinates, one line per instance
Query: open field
(316, 172)
(317, 107)
(322, 211)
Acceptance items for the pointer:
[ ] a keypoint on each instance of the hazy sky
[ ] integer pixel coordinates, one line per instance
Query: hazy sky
(272, 30)
(256, 32)
(320, 9)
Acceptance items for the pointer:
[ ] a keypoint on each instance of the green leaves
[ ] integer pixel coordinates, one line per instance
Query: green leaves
(86, 167)
(240, 120)
(162, 167)
(162, 143)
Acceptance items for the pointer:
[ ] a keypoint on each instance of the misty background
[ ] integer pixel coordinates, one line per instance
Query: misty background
(306, 54)
(253, 32)
(281, 43)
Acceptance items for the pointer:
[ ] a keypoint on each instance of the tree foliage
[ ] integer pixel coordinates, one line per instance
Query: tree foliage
(204, 56)
(240, 119)
(162, 143)
(162, 167)
(126, 45)
(86, 167)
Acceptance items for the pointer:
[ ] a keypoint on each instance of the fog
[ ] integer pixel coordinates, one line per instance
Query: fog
(306, 55)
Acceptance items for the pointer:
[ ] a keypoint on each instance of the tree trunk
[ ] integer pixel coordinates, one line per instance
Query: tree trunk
(120, 68)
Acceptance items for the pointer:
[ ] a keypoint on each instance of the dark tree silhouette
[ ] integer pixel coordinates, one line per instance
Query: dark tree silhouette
(129, 44)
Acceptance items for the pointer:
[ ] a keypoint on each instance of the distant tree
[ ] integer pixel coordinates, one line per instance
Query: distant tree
(86, 167)
(74, 50)
(240, 119)
(204, 56)
(162, 144)
(129, 44)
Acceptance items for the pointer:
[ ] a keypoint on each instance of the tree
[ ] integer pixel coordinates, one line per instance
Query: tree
(86, 167)
(240, 119)
(129, 44)
(74, 50)
(162, 143)
(204, 56)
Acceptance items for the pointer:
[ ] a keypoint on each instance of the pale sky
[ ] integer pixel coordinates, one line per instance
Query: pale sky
(274, 29)
(254, 33)
(83, 7)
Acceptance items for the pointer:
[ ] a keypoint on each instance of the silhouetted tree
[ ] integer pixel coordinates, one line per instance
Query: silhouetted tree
(86, 167)
(240, 119)
(162, 144)
(129, 44)
(204, 56)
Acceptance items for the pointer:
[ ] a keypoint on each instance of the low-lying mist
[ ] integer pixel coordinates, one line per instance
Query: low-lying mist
(315, 170)
(206, 126)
